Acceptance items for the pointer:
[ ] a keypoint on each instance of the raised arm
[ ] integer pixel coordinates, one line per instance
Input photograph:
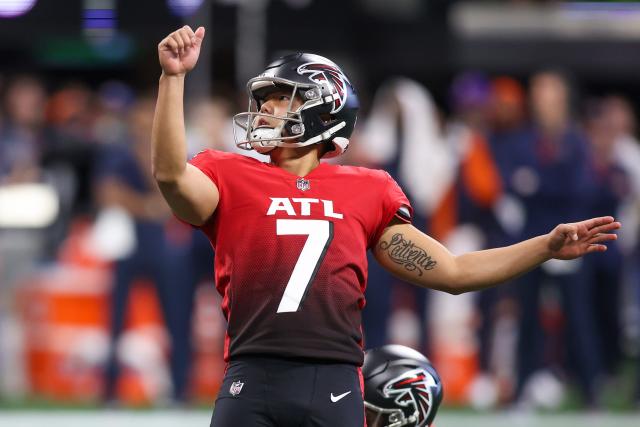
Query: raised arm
(192, 196)
(417, 258)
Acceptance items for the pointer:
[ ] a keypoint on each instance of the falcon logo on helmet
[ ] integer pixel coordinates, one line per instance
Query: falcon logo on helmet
(321, 73)
(413, 388)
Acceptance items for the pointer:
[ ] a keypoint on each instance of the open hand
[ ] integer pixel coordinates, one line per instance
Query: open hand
(573, 240)
(178, 52)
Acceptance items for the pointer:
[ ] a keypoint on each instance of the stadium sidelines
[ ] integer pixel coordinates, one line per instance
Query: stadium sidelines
(187, 418)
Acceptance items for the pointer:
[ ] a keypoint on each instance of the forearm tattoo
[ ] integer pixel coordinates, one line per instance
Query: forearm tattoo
(405, 253)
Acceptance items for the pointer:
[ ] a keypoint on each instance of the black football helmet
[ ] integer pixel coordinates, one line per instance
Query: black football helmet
(327, 114)
(401, 387)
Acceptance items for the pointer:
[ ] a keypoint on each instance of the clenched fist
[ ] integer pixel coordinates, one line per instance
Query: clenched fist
(178, 52)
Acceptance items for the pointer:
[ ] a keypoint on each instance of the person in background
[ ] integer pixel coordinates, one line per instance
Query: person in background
(209, 125)
(68, 158)
(467, 204)
(23, 137)
(612, 189)
(162, 250)
(626, 156)
(402, 135)
(498, 307)
(477, 200)
(547, 170)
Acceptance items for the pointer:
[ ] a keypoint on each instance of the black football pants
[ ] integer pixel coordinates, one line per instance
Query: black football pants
(266, 392)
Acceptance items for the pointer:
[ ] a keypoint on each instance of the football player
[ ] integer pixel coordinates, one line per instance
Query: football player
(401, 387)
(291, 236)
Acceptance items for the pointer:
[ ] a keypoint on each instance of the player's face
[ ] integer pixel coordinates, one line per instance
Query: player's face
(277, 103)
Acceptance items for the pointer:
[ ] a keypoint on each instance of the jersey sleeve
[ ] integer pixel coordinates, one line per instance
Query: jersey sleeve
(395, 204)
(206, 161)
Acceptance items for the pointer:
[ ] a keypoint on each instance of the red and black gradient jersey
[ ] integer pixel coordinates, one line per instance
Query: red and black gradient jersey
(290, 254)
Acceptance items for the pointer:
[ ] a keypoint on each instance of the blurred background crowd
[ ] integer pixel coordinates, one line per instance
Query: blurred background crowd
(498, 119)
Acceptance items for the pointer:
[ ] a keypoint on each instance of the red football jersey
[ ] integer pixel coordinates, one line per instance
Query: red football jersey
(290, 253)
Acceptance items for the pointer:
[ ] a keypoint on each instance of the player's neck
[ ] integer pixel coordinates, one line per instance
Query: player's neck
(297, 161)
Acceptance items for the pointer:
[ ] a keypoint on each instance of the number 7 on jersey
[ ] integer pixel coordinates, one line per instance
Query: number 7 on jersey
(320, 234)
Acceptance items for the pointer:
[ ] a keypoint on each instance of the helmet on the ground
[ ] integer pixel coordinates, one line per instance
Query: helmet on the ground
(327, 114)
(401, 387)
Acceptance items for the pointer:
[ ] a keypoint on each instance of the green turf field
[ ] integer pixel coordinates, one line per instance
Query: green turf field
(200, 418)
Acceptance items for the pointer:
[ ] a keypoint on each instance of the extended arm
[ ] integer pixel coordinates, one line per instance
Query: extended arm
(190, 193)
(415, 257)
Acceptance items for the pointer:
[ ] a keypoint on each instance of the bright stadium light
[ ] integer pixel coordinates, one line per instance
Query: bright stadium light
(100, 20)
(184, 7)
(13, 8)
(28, 206)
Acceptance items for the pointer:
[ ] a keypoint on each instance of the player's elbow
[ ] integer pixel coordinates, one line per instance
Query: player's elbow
(448, 285)
(453, 290)
(455, 282)
(167, 172)
(447, 278)
(192, 218)
(164, 177)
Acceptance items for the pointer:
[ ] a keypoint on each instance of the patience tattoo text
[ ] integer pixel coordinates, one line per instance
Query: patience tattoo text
(405, 253)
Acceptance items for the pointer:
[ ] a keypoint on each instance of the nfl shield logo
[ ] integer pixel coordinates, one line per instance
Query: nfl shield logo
(303, 184)
(236, 388)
